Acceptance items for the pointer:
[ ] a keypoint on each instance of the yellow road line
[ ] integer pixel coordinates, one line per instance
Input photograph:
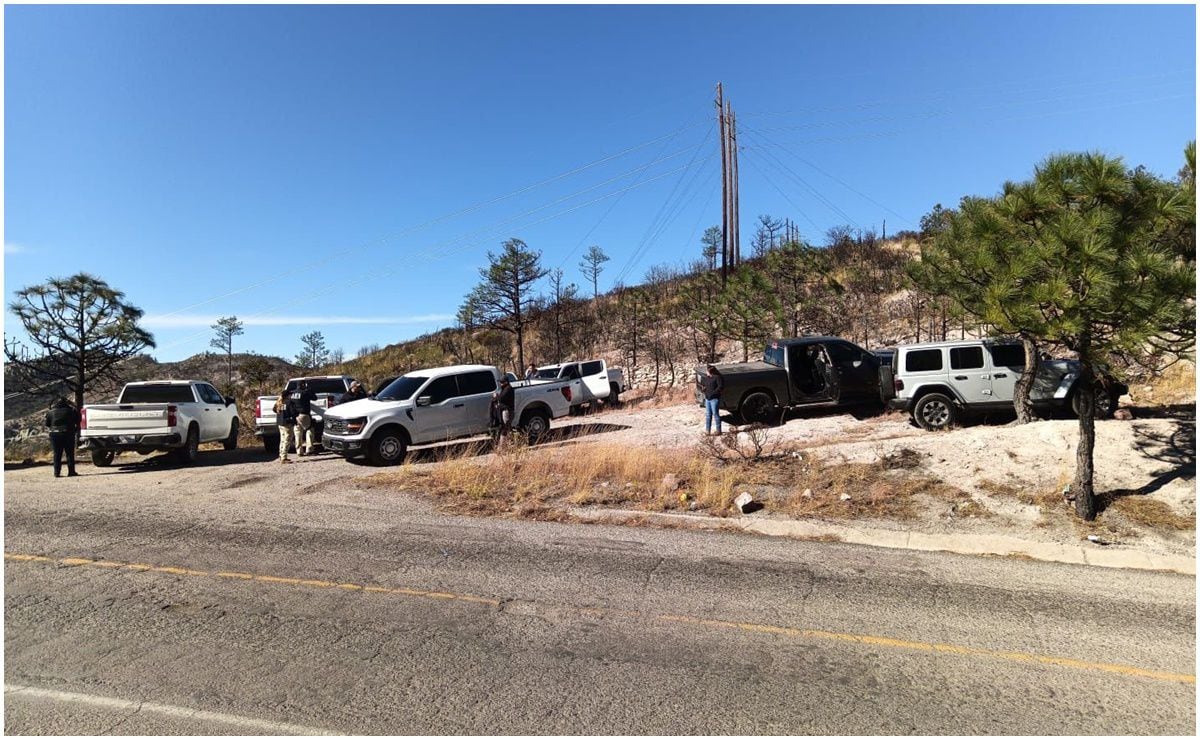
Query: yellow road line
(933, 647)
(810, 634)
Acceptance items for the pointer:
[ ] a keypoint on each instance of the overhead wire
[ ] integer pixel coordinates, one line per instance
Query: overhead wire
(435, 250)
(769, 142)
(454, 214)
(642, 246)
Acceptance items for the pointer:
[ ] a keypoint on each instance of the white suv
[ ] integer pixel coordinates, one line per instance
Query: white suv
(937, 382)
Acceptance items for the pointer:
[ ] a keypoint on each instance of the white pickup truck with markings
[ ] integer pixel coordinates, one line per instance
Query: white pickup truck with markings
(159, 415)
(435, 405)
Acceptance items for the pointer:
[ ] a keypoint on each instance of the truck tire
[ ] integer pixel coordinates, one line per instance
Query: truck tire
(271, 444)
(1106, 405)
(535, 424)
(191, 447)
(614, 395)
(934, 412)
(230, 442)
(757, 407)
(103, 458)
(388, 447)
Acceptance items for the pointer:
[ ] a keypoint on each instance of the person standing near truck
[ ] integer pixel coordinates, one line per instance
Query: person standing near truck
(285, 417)
(304, 427)
(531, 371)
(713, 384)
(62, 421)
(505, 400)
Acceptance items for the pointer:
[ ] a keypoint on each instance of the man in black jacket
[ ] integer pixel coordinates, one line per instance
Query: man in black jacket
(62, 421)
(304, 424)
(713, 385)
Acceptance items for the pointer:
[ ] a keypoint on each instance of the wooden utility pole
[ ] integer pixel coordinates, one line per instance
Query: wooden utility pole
(731, 248)
(724, 187)
(736, 241)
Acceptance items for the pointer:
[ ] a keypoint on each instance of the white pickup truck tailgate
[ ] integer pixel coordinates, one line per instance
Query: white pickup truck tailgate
(128, 420)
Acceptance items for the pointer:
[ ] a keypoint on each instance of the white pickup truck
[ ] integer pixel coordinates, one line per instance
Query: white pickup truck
(591, 380)
(328, 389)
(434, 405)
(159, 415)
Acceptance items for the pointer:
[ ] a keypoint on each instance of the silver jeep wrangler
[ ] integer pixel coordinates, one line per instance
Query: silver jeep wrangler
(938, 382)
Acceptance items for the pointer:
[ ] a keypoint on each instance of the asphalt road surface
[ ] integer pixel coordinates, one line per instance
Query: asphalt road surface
(137, 606)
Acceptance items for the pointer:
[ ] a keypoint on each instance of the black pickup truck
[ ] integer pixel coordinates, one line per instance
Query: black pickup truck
(814, 372)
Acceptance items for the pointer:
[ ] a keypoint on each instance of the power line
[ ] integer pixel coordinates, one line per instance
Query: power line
(436, 250)
(461, 212)
(841, 182)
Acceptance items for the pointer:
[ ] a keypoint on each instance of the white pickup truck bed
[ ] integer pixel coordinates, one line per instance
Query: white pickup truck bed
(176, 415)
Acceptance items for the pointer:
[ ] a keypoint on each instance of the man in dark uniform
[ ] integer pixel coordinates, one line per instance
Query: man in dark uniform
(62, 421)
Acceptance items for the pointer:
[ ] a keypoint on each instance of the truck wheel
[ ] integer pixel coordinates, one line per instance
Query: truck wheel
(230, 442)
(535, 425)
(191, 448)
(387, 447)
(758, 407)
(271, 444)
(1106, 405)
(614, 395)
(102, 458)
(934, 412)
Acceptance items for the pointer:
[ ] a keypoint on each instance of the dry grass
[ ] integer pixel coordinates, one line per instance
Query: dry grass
(1152, 513)
(534, 482)
(666, 396)
(1177, 384)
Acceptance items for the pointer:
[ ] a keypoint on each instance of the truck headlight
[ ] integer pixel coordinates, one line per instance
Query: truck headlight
(354, 426)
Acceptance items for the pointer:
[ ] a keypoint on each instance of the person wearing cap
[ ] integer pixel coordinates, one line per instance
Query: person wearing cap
(355, 393)
(62, 421)
(713, 384)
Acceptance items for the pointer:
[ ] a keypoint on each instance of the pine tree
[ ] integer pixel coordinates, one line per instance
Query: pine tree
(505, 296)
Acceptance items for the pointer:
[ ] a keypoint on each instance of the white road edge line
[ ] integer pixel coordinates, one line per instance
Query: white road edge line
(165, 710)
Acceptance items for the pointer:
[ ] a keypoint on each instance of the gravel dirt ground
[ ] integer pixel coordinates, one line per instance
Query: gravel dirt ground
(1010, 471)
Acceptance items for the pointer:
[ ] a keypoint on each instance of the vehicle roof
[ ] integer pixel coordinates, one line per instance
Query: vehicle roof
(168, 382)
(321, 377)
(447, 369)
(957, 343)
(811, 339)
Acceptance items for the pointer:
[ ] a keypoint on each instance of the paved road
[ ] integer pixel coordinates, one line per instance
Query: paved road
(343, 609)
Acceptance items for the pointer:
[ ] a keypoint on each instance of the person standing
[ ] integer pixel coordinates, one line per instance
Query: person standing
(302, 400)
(531, 371)
(713, 386)
(285, 417)
(62, 421)
(505, 399)
(356, 392)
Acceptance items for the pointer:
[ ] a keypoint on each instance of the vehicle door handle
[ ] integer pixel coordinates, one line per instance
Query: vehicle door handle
(459, 405)
(604, 377)
(1001, 375)
(960, 377)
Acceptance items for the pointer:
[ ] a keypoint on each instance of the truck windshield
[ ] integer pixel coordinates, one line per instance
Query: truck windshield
(157, 394)
(320, 385)
(773, 356)
(402, 388)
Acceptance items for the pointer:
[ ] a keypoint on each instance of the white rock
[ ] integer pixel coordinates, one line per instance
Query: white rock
(742, 501)
(845, 497)
(807, 493)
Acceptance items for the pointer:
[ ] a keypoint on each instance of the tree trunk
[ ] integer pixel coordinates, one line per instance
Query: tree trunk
(1085, 496)
(1022, 402)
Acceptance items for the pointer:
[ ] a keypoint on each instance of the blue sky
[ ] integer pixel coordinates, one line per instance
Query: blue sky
(344, 169)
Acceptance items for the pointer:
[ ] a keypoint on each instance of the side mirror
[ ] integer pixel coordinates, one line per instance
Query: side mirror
(423, 400)
(229, 401)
